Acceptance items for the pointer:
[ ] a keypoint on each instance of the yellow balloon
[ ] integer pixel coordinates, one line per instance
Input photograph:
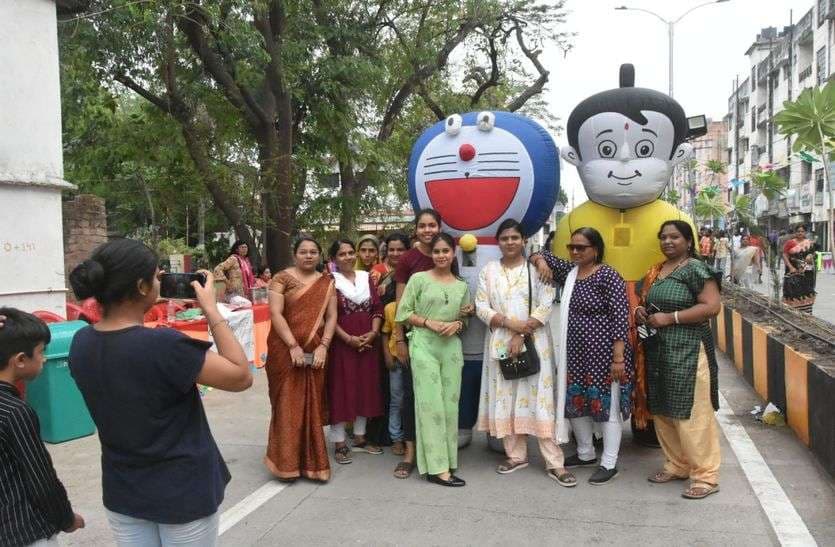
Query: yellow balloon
(468, 243)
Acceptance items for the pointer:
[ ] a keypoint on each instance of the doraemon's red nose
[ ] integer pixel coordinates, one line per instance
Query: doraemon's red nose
(466, 152)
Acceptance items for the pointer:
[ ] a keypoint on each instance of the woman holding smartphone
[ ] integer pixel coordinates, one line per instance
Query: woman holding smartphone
(354, 393)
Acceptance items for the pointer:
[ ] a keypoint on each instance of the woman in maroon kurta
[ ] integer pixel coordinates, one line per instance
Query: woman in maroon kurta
(353, 369)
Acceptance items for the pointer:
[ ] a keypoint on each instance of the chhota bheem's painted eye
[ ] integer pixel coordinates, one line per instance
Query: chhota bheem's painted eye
(644, 148)
(453, 125)
(607, 149)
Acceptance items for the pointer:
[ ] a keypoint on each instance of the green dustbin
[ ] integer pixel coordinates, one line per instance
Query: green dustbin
(54, 395)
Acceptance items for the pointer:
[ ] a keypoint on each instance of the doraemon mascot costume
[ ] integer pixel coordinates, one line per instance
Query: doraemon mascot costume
(477, 170)
(625, 143)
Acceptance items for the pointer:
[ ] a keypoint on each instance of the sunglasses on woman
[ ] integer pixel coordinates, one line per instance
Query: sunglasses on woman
(577, 248)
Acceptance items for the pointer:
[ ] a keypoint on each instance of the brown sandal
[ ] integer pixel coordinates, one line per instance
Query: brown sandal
(398, 448)
(509, 466)
(699, 492)
(342, 455)
(404, 470)
(662, 476)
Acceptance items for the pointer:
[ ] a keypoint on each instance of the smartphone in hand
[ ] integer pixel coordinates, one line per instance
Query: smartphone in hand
(178, 285)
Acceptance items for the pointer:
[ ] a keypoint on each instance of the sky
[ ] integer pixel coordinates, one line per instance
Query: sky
(709, 52)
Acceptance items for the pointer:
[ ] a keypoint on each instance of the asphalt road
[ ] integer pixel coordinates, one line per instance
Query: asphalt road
(363, 504)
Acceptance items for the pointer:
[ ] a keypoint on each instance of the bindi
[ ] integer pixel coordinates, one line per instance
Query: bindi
(626, 126)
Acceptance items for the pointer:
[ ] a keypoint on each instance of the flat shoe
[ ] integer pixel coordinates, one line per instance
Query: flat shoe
(452, 481)
(662, 476)
(509, 467)
(575, 461)
(603, 476)
(699, 492)
(564, 479)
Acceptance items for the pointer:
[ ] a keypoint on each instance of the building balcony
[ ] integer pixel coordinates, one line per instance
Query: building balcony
(803, 30)
(804, 73)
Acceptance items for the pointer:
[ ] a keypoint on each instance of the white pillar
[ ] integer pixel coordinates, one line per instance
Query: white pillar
(31, 163)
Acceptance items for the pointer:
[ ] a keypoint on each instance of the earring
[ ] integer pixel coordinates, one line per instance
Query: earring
(20, 366)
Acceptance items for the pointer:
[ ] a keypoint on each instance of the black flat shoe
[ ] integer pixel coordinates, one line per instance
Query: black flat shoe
(451, 481)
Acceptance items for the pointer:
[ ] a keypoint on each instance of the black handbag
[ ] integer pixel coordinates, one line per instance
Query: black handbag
(527, 362)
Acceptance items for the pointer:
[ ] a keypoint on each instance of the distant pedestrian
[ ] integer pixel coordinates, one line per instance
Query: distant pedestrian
(34, 506)
(237, 271)
(747, 262)
(263, 279)
(800, 273)
(722, 252)
(163, 476)
(706, 247)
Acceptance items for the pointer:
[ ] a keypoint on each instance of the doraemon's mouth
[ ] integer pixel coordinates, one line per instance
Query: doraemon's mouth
(612, 175)
(472, 203)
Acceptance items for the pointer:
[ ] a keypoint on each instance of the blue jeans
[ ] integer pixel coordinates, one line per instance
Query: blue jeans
(396, 393)
(134, 532)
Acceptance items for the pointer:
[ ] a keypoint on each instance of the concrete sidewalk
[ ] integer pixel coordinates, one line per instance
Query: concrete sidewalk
(364, 504)
(824, 307)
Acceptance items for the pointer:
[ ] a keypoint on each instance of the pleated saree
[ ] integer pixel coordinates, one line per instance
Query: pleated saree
(296, 446)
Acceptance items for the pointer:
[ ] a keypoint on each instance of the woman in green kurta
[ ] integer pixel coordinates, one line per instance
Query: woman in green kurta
(432, 304)
(679, 296)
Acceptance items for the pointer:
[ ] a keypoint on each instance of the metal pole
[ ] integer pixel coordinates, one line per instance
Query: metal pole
(670, 26)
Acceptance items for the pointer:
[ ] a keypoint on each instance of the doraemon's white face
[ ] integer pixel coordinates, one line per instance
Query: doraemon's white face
(475, 176)
(622, 163)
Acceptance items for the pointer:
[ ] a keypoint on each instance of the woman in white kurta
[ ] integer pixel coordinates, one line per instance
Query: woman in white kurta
(513, 409)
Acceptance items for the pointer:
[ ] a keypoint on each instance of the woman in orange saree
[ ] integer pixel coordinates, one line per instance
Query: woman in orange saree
(303, 314)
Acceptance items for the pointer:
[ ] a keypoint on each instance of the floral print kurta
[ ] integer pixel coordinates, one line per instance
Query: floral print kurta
(524, 406)
(598, 314)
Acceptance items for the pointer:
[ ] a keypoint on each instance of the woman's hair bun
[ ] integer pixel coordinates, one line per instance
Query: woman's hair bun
(87, 279)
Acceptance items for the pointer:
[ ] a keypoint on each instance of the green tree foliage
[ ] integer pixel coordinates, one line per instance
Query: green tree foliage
(272, 101)
(811, 119)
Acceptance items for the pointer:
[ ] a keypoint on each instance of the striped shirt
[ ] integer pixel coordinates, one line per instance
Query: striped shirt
(33, 502)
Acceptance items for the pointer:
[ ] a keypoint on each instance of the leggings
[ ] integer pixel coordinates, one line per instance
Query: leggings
(612, 432)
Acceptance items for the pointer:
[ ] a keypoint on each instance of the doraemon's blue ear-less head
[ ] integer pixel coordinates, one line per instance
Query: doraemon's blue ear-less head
(478, 169)
(625, 143)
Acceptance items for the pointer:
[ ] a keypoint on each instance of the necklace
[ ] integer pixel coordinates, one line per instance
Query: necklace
(511, 283)
(677, 266)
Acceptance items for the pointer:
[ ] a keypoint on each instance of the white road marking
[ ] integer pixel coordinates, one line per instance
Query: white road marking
(240, 510)
(787, 524)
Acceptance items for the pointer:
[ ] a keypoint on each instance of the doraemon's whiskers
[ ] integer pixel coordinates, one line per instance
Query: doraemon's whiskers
(439, 157)
(491, 170)
(497, 153)
(438, 172)
(429, 166)
(498, 161)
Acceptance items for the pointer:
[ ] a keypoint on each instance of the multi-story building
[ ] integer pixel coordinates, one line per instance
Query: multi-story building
(783, 63)
(695, 176)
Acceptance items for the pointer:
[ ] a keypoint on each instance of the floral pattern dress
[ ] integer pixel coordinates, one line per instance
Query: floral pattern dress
(524, 406)
(598, 314)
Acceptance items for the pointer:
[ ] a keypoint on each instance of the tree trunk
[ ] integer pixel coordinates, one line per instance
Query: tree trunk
(348, 193)
(221, 199)
(828, 178)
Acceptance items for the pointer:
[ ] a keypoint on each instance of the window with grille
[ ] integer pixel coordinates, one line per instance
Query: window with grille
(821, 62)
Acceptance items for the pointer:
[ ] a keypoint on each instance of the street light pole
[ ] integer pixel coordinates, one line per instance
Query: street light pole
(671, 30)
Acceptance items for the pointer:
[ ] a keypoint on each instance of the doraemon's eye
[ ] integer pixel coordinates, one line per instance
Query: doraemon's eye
(644, 148)
(607, 149)
(486, 121)
(453, 125)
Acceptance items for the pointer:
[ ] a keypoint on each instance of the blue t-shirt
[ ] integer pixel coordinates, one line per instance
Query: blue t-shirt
(159, 460)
